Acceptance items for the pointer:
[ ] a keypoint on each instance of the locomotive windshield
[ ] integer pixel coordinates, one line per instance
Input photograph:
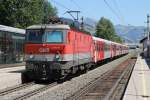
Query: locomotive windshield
(34, 36)
(54, 37)
(38, 36)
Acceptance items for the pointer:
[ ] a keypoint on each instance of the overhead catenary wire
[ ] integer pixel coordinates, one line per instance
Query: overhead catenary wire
(82, 10)
(68, 9)
(108, 5)
(117, 7)
(119, 11)
(61, 5)
(75, 3)
(113, 11)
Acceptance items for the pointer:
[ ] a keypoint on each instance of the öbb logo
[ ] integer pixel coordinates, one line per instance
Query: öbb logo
(43, 50)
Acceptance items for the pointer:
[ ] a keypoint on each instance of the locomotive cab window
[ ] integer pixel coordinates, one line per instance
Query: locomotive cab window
(54, 37)
(45, 36)
(34, 36)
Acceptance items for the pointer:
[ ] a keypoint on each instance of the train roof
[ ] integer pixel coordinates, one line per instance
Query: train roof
(107, 41)
(49, 26)
(100, 39)
(119, 44)
(11, 29)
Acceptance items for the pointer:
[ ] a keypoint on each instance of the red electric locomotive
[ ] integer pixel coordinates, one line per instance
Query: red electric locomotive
(55, 50)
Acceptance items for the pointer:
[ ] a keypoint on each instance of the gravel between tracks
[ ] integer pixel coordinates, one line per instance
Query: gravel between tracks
(66, 89)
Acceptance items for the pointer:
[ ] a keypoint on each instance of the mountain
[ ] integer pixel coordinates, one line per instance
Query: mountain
(89, 25)
(130, 33)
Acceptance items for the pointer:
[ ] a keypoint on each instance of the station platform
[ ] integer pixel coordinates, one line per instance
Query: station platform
(12, 65)
(10, 76)
(139, 84)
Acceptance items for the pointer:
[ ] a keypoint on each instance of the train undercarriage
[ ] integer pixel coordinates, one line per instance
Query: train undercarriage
(48, 71)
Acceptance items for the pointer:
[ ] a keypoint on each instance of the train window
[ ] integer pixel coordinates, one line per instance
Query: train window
(54, 37)
(34, 36)
(98, 47)
(75, 36)
(106, 47)
(41, 36)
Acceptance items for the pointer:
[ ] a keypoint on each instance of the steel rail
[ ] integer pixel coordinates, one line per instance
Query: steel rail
(15, 88)
(36, 91)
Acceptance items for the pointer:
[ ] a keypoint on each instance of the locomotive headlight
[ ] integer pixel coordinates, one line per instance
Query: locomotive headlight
(31, 56)
(27, 57)
(57, 57)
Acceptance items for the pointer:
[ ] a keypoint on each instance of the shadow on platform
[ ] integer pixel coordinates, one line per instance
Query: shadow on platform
(147, 59)
(18, 71)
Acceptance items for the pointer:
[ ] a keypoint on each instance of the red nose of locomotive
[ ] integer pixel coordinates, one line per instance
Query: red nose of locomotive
(44, 48)
(44, 52)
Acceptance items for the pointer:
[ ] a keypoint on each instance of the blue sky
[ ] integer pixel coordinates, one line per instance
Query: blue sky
(131, 12)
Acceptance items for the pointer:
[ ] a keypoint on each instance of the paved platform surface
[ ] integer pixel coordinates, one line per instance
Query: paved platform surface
(139, 83)
(10, 76)
(12, 65)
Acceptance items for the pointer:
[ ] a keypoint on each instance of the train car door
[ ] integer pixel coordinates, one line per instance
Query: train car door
(101, 50)
(107, 50)
(95, 51)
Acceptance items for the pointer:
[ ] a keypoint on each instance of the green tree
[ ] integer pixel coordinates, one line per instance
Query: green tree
(22, 13)
(105, 29)
(48, 11)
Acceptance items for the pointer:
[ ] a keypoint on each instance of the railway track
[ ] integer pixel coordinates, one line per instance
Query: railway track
(110, 86)
(24, 91)
(36, 91)
(15, 88)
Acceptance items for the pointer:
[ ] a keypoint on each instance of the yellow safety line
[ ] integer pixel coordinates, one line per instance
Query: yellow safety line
(143, 80)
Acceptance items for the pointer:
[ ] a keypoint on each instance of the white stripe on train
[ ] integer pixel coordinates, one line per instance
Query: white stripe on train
(51, 57)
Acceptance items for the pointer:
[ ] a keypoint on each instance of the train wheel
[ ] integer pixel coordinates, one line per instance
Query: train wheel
(25, 78)
(82, 67)
(87, 67)
(61, 79)
(74, 69)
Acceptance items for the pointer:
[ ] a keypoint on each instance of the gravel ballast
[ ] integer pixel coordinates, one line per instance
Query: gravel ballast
(68, 88)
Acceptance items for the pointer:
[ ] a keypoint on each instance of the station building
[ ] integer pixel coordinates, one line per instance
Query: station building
(11, 44)
(145, 51)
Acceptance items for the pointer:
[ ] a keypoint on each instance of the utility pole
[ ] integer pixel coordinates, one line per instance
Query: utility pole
(148, 42)
(82, 23)
(144, 35)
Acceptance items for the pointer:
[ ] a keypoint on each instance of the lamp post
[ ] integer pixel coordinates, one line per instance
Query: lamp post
(148, 42)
